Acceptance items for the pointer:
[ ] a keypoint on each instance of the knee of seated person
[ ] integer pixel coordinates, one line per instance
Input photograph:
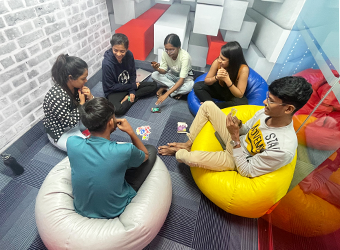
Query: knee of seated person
(155, 74)
(198, 86)
(151, 149)
(208, 104)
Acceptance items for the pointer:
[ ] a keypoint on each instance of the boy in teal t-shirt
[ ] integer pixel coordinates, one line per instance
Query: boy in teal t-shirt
(103, 169)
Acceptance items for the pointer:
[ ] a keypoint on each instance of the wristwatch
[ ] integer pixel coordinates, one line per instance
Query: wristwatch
(235, 143)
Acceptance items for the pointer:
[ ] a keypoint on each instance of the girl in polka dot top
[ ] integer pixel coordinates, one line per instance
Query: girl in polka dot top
(61, 102)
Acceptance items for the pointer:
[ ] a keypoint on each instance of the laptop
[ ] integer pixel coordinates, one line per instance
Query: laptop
(142, 75)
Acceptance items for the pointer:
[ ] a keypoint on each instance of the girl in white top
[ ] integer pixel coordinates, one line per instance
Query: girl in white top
(174, 72)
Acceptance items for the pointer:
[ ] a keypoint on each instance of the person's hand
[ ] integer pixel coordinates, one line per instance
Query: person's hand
(236, 120)
(137, 84)
(155, 65)
(124, 126)
(233, 128)
(222, 74)
(86, 91)
(82, 97)
(161, 99)
(132, 97)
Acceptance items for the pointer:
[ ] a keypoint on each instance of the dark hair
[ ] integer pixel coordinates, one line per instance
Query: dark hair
(173, 39)
(233, 51)
(292, 90)
(95, 114)
(64, 67)
(119, 39)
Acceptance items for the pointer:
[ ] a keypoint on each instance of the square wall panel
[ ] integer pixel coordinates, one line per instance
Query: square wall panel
(165, 1)
(124, 11)
(233, 15)
(207, 19)
(198, 49)
(268, 37)
(192, 4)
(250, 3)
(257, 61)
(185, 43)
(213, 2)
(174, 20)
(243, 37)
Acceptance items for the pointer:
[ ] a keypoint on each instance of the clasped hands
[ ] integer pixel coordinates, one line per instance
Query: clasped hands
(222, 74)
(84, 93)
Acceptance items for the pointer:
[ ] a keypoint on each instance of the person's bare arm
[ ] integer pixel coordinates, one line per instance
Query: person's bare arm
(211, 76)
(124, 126)
(156, 67)
(239, 90)
(178, 84)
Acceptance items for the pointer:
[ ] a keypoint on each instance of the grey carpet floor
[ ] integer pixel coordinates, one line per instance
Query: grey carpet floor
(193, 221)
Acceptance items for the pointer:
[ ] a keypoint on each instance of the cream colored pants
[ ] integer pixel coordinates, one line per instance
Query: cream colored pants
(217, 161)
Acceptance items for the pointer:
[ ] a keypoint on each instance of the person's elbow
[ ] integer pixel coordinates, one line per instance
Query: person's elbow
(146, 156)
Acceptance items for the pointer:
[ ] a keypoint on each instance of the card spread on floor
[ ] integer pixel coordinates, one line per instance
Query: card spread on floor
(181, 127)
(144, 131)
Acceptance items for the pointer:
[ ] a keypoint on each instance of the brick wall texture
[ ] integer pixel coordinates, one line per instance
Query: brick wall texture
(32, 34)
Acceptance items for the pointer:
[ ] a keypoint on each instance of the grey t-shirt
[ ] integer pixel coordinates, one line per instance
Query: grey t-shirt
(264, 149)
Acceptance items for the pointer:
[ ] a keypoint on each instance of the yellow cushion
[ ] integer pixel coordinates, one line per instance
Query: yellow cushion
(243, 196)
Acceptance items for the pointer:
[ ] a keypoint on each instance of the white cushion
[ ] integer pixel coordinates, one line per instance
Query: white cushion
(60, 227)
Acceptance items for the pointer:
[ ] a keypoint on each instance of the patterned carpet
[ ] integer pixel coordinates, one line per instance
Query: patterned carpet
(193, 221)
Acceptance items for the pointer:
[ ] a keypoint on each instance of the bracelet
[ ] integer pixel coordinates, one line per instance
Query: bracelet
(231, 85)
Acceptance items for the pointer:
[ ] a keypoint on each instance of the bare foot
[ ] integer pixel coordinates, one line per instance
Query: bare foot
(187, 145)
(125, 98)
(166, 150)
(160, 91)
(177, 97)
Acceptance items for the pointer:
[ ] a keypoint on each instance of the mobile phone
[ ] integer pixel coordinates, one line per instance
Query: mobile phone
(155, 110)
(219, 138)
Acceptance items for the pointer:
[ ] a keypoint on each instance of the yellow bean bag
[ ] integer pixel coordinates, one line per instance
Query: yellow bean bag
(243, 196)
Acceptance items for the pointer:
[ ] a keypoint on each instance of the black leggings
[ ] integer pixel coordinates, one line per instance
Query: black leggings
(136, 176)
(144, 89)
(208, 92)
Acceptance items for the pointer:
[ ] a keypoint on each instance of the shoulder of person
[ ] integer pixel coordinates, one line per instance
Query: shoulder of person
(74, 140)
(244, 68)
(184, 53)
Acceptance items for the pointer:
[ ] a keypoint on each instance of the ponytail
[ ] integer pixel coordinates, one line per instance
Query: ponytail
(64, 67)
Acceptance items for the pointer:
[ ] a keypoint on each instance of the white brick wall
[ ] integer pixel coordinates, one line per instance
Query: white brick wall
(32, 34)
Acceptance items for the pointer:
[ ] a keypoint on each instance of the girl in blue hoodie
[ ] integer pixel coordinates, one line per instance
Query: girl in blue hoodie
(119, 76)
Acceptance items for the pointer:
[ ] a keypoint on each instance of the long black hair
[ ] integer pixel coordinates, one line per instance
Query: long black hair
(64, 67)
(233, 51)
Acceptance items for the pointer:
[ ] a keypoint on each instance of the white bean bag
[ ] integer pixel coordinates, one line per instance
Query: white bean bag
(60, 227)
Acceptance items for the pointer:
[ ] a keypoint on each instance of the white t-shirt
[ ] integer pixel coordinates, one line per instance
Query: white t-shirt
(181, 67)
(264, 149)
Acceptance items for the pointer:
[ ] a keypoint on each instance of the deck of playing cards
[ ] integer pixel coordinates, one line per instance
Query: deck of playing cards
(233, 112)
(181, 127)
(144, 131)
